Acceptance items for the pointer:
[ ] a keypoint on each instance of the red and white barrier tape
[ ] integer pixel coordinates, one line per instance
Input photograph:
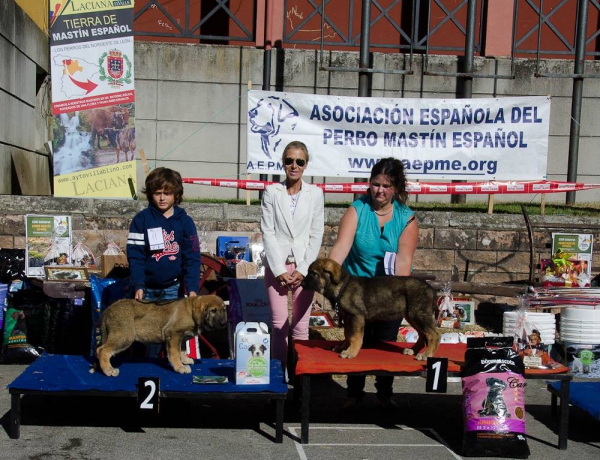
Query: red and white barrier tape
(420, 188)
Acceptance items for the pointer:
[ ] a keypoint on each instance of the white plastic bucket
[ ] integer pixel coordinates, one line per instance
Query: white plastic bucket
(545, 323)
(580, 314)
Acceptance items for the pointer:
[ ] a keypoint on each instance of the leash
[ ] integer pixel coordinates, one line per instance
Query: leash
(290, 371)
(336, 305)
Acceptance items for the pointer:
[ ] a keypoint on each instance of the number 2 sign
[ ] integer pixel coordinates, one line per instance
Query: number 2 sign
(148, 394)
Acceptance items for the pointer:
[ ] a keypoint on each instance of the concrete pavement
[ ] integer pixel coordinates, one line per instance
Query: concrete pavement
(428, 426)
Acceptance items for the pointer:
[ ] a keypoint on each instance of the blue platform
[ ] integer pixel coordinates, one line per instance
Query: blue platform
(585, 395)
(55, 373)
(63, 375)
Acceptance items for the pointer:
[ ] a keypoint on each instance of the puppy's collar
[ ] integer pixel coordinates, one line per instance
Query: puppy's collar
(336, 304)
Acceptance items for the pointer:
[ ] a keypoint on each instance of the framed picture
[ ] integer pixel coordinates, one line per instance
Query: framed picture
(62, 273)
(464, 310)
(463, 313)
(320, 319)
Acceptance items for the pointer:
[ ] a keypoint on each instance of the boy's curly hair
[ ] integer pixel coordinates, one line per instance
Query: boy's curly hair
(167, 179)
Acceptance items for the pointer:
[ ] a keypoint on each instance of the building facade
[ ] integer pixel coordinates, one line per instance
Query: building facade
(195, 60)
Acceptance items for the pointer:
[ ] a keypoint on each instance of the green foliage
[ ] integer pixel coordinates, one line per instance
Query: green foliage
(553, 209)
(58, 134)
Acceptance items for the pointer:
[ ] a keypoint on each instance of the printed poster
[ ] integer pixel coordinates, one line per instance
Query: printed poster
(47, 243)
(481, 139)
(93, 98)
(574, 250)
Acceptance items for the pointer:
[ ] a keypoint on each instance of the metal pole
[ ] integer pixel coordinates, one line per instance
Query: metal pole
(363, 77)
(469, 48)
(266, 85)
(468, 68)
(582, 17)
(365, 36)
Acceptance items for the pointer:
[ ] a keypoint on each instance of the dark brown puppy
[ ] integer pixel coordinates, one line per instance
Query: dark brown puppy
(361, 300)
(128, 320)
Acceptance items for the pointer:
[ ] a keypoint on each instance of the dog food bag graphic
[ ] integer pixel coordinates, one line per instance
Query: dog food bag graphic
(493, 399)
(252, 354)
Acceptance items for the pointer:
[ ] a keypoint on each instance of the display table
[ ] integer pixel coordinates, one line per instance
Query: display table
(585, 395)
(68, 375)
(316, 358)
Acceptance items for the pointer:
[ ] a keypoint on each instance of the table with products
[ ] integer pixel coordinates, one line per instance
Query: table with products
(69, 375)
(316, 358)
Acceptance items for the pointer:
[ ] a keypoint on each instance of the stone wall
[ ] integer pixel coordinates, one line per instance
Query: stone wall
(479, 248)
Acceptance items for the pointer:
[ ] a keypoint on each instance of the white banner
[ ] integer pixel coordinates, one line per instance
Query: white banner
(452, 139)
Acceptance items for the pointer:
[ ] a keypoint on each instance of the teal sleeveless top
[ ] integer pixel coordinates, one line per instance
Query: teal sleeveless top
(371, 242)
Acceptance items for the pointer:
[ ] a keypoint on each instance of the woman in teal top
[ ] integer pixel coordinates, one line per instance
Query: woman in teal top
(376, 224)
(371, 240)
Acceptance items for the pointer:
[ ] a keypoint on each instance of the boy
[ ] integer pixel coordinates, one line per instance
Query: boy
(163, 249)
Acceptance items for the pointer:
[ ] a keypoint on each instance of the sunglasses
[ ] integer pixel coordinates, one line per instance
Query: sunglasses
(299, 161)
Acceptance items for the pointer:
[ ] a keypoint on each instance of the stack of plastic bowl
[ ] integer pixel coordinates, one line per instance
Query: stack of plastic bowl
(580, 325)
(543, 322)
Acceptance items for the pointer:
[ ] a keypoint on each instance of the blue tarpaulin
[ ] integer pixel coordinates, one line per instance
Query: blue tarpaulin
(585, 395)
(65, 373)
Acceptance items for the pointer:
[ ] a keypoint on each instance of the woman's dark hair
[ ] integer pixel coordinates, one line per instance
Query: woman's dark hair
(164, 178)
(394, 170)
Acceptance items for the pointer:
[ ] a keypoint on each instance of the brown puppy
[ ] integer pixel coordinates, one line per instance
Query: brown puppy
(128, 320)
(361, 300)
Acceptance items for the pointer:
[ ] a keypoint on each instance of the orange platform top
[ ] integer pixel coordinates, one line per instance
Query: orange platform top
(316, 357)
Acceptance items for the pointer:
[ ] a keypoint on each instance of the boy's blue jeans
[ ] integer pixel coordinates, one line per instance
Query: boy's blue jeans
(171, 293)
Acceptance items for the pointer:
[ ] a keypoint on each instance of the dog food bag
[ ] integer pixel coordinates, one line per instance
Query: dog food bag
(16, 346)
(105, 291)
(493, 399)
(252, 354)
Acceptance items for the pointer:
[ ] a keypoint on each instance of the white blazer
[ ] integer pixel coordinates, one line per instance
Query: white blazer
(284, 234)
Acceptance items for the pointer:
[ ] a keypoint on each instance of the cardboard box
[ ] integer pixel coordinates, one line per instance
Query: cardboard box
(245, 270)
(112, 262)
(252, 354)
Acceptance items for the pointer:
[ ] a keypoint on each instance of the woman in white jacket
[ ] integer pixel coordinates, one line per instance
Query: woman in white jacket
(292, 226)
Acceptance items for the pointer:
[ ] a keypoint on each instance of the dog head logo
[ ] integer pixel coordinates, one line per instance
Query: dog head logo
(267, 119)
(494, 405)
(257, 350)
(257, 365)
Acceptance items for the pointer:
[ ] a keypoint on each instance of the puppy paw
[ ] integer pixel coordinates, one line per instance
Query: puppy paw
(421, 357)
(408, 351)
(112, 372)
(184, 370)
(348, 354)
(187, 360)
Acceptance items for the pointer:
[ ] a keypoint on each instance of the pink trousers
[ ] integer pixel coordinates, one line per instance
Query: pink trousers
(278, 298)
